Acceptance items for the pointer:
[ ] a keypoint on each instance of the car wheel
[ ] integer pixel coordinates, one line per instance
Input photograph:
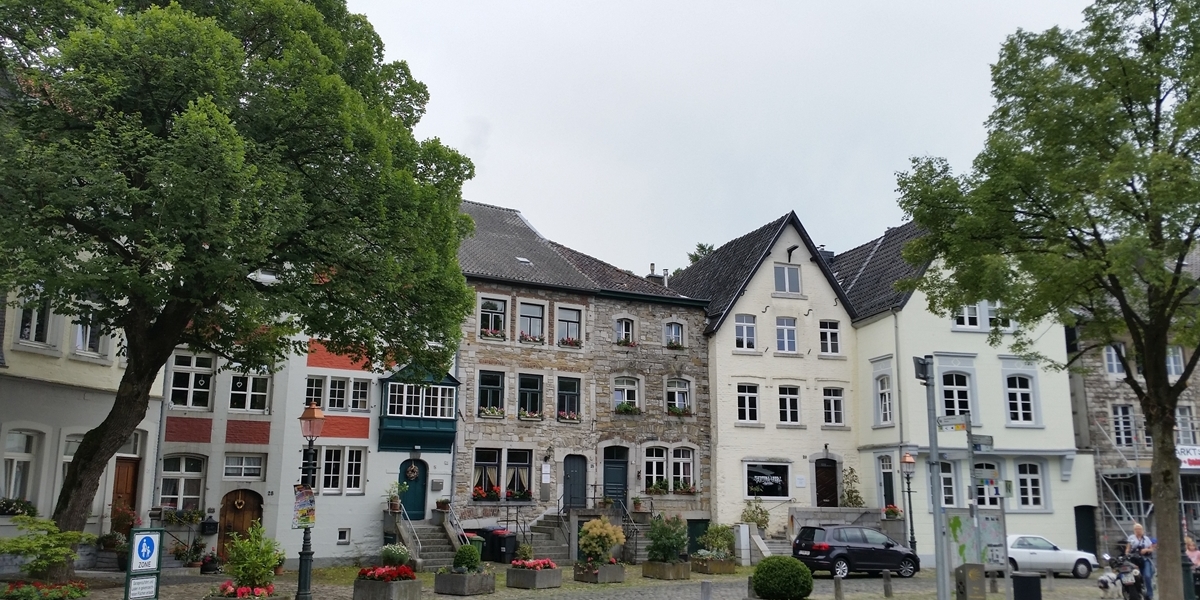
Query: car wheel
(1012, 565)
(908, 568)
(841, 568)
(1082, 569)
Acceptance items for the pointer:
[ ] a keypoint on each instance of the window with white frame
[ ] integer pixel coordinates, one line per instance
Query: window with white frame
(987, 495)
(342, 469)
(995, 318)
(789, 404)
(248, 392)
(492, 321)
(20, 453)
(743, 332)
(1122, 424)
(181, 487)
(331, 470)
(337, 393)
(883, 394)
(956, 394)
(191, 380)
(673, 335)
(1029, 485)
(35, 324)
(1019, 390)
(785, 334)
(1185, 426)
(70, 448)
(655, 468)
(314, 391)
(830, 338)
(568, 328)
(532, 322)
(834, 406)
(787, 279)
(529, 396)
(1174, 361)
(967, 316)
(747, 402)
(679, 396)
(1112, 358)
(681, 469)
(360, 391)
(625, 333)
(427, 401)
(625, 390)
(949, 497)
(88, 339)
(767, 480)
(244, 466)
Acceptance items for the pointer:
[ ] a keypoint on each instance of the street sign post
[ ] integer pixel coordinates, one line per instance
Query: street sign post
(982, 443)
(145, 564)
(952, 423)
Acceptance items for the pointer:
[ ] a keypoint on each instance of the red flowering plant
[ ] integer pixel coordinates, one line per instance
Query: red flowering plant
(536, 564)
(49, 591)
(401, 573)
(481, 493)
(229, 590)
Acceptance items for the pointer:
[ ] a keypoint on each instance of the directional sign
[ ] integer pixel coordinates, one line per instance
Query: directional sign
(987, 473)
(146, 547)
(145, 564)
(952, 423)
(982, 443)
(143, 587)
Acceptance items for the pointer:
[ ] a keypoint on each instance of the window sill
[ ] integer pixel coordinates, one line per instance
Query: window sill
(619, 415)
(491, 340)
(835, 427)
(832, 357)
(35, 348)
(792, 295)
(883, 426)
(969, 330)
(240, 413)
(530, 343)
(787, 354)
(531, 419)
(1024, 426)
(96, 359)
(626, 347)
(492, 417)
(748, 352)
(572, 421)
(1032, 511)
(751, 425)
(191, 408)
(791, 426)
(569, 348)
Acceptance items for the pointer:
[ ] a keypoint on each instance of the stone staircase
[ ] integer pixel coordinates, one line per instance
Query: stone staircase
(636, 542)
(436, 548)
(547, 540)
(778, 546)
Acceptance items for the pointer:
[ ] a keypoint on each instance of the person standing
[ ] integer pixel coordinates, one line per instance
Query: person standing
(1141, 545)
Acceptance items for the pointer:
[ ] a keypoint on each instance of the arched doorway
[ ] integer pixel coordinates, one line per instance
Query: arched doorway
(827, 482)
(239, 509)
(575, 481)
(416, 474)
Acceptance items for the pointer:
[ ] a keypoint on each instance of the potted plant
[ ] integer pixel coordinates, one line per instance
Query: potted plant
(280, 558)
(250, 561)
(210, 563)
(658, 488)
(533, 574)
(668, 540)
(229, 589)
(443, 504)
(682, 487)
(674, 345)
(122, 557)
(568, 416)
(438, 515)
(627, 408)
(717, 555)
(518, 495)
(111, 540)
(491, 494)
(570, 342)
(389, 582)
(892, 512)
(392, 493)
(637, 503)
(394, 555)
(596, 542)
(606, 502)
(755, 514)
(491, 412)
(679, 411)
(468, 577)
(124, 518)
(195, 553)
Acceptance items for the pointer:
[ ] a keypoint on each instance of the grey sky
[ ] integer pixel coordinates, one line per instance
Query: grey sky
(632, 130)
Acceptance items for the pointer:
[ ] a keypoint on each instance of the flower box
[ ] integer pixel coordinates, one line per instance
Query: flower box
(533, 579)
(366, 589)
(662, 570)
(599, 573)
(712, 566)
(464, 584)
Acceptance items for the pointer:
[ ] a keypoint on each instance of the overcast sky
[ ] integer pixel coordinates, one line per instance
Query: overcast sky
(632, 130)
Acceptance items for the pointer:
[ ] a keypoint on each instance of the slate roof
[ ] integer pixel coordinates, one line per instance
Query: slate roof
(722, 276)
(869, 273)
(503, 237)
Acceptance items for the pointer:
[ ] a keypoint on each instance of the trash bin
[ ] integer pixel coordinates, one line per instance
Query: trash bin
(1027, 586)
(389, 538)
(507, 546)
(478, 543)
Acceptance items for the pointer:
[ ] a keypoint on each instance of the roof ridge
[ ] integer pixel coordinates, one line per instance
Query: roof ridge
(866, 261)
(504, 208)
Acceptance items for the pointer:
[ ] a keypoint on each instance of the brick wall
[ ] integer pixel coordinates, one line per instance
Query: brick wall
(189, 429)
(346, 427)
(319, 356)
(248, 432)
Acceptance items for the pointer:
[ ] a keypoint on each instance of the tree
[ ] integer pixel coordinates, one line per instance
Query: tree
(1083, 206)
(226, 176)
(702, 250)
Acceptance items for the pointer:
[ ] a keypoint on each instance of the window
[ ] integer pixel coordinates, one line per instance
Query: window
(248, 392)
(1112, 358)
(747, 402)
(354, 469)
(492, 319)
(830, 342)
(359, 391)
(337, 393)
(994, 318)
(883, 392)
(244, 466)
(343, 537)
(743, 332)
(625, 333)
(956, 394)
(785, 334)
(1123, 424)
(19, 450)
(88, 339)
(72, 446)
(331, 470)
(787, 279)
(437, 401)
(1029, 485)
(314, 391)
(182, 476)
(487, 470)
(568, 398)
(341, 470)
(529, 396)
(1174, 361)
(679, 396)
(35, 323)
(520, 463)
(1020, 399)
(532, 321)
(789, 404)
(886, 480)
(491, 393)
(568, 327)
(191, 380)
(655, 469)
(625, 389)
(967, 316)
(948, 495)
(428, 401)
(767, 480)
(681, 469)
(673, 335)
(1185, 426)
(987, 494)
(834, 406)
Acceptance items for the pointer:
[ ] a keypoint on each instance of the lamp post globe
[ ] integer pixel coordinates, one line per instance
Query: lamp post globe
(312, 421)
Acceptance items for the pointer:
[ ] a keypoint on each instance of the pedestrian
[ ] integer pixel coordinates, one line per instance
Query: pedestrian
(1193, 552)
(1141, 545)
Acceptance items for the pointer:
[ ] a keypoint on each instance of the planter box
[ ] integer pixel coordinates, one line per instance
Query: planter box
(366, 589)
(714, 567)
(437, 516)
(604, 574)
(533, 579)
(464, 584)
(641, 517)
(662, 570)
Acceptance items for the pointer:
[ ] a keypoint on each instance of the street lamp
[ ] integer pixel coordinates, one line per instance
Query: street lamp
(312, 420)
(908, 466)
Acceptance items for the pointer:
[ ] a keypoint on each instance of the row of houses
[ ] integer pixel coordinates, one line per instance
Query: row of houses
(764, 372)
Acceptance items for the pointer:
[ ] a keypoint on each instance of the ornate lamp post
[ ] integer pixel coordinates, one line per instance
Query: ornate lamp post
(908, 465)
(312, 420)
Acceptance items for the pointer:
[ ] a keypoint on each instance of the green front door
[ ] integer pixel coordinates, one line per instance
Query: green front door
(695, 529)
(416, 474)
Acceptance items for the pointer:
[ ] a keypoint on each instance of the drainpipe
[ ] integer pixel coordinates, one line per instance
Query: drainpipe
(895, 375)
(457, 445)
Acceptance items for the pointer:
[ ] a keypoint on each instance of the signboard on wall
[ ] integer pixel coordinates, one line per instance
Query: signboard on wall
(1189, 456)
(989, 533)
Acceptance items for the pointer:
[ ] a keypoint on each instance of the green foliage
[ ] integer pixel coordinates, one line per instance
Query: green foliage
(851, 498)
(14, 506)
(467, 557)
(525, 551)
(702, 250)
(24, 590)
(251, 560)
(718, 538)
(43, 544)
(394, 555)
(755, 513)
(668, 539)
(598, 538)
(782, 578)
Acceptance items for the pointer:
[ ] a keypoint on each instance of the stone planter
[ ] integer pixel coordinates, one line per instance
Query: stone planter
(603, 574)
(533, 579)
(640, 517)
(712, 566)
(366, 589)
(437, 516)
(210, 568)
(662, 570)
(464, 584)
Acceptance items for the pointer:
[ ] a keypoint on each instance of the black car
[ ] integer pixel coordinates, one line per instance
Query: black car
(841, 549)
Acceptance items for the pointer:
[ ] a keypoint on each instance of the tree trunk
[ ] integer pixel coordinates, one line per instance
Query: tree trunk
(1164, 481)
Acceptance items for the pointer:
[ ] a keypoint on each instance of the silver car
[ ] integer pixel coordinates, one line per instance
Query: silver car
(1036, 553)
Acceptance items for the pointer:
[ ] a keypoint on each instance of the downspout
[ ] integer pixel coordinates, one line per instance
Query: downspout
(457, 444)
(162, 440)
(896, 375)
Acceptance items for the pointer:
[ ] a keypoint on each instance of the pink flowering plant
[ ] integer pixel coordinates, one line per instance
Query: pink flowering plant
(231, 590)
(535, 564)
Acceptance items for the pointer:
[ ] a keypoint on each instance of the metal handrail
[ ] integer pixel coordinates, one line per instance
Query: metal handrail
(412, 528)
(456, 525)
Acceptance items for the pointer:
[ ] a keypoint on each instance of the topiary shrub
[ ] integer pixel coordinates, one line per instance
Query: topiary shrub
(524, 552)
(782, 578)
(718, 539)
(467, 558)
(598, 538)
(668, 539)
(394, 555)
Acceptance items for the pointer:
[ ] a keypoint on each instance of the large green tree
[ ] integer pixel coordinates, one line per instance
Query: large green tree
(1084, 206)
(224, 175)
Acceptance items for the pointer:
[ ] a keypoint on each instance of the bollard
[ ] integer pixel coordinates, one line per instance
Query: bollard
(1049, 580)
(705, 590)
(887, 584)
(837, 588)
(993, 585)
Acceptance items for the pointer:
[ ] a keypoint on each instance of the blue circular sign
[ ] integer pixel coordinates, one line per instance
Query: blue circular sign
(145, 548)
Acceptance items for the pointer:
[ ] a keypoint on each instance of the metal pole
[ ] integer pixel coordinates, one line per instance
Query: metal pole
(935, 476)
(972, 497)
(912, 533)
(304, 584)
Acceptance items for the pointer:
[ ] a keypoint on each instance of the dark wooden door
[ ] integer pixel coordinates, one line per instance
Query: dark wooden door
(125, 482)
(616, 474)
(239, 510)
(827, 482)
(1085, 528)
(889, 488)
(575, 481)
(416, 474)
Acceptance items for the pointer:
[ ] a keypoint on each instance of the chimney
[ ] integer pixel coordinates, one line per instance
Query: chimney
(826, 255)
(655, 278)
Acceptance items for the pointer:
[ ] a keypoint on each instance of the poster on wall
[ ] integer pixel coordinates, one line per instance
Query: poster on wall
(305, 512)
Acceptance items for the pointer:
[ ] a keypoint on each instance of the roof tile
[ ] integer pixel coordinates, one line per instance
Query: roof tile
(869, 273)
